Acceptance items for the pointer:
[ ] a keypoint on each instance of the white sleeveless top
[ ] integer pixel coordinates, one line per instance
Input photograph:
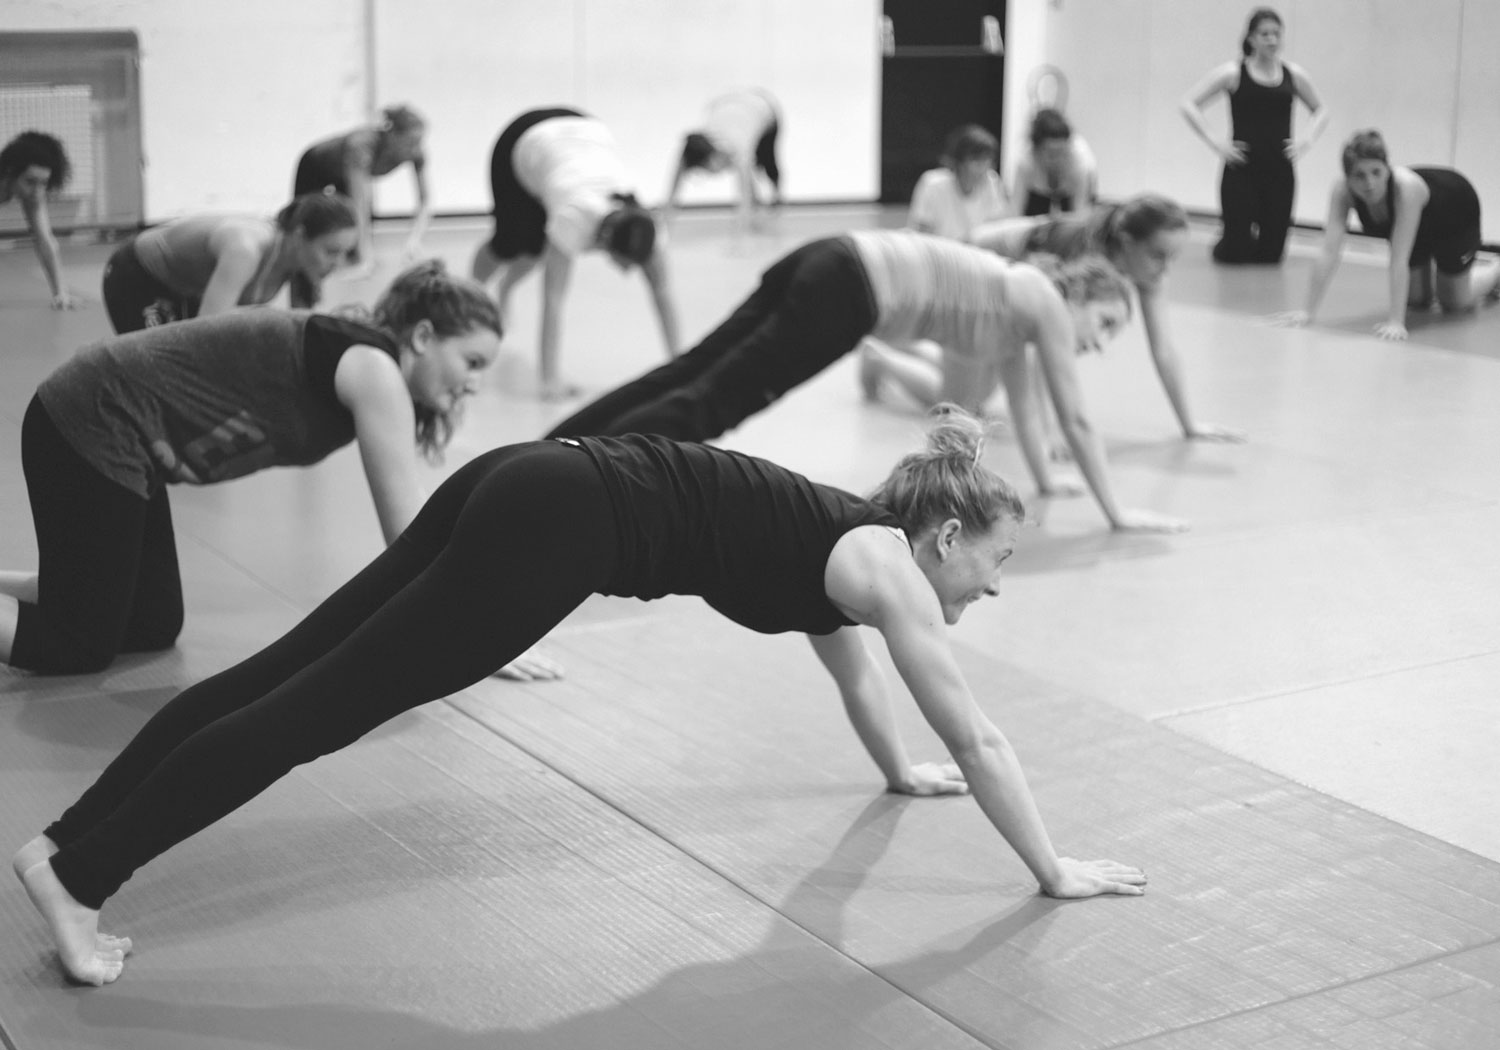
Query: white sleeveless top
(927, 287)
(572, 165)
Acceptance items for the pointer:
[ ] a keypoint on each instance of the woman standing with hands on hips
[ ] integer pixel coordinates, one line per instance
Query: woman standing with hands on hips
(1259, 183)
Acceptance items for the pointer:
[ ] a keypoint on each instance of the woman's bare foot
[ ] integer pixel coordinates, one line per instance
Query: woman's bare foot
(41, 848)
(32, 854)
(74, 927)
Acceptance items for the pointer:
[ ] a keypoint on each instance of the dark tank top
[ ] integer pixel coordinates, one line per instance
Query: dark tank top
(1452, 208)
(751, 538)
(208, 399)
(1260, 115)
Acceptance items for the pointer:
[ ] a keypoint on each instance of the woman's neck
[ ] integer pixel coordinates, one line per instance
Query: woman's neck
(1268, 64)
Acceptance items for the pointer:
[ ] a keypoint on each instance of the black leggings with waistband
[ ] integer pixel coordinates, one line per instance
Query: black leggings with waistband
(503, 551)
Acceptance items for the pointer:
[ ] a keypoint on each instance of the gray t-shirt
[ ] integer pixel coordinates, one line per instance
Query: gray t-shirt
(204, 400)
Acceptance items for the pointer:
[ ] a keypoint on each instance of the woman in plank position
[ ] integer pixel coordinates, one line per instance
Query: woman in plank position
(508, 547)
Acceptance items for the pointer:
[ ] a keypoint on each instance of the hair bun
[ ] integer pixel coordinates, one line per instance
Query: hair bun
(953, 433)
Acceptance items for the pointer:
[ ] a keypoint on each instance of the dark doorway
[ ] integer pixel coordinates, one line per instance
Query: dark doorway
(944, 66)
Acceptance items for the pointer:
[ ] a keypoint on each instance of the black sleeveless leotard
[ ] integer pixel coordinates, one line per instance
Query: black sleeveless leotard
(750, 537)
(1448, 233)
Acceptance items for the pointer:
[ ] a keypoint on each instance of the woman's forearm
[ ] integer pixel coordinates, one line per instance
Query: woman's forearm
(51, 259)
(999, 786)
(1088, 453)
(1400, 286)
(1317, 284)
(869, 711)
(1168, 364)
(655, 272)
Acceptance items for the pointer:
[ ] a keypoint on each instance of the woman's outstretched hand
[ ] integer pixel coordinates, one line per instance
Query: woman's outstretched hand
(531, 666)
(1093, 878)
(933, 778)
(1147, 521)
(1214, 432)
(1290, 319)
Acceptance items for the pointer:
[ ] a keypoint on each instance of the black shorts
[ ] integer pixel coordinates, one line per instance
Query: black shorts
(134, 299)
(1453, 255)
(520, 219)
(1449, 234)
(320, 169)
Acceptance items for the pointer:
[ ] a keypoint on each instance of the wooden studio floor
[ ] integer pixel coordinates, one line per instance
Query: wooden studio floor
(1287, 716)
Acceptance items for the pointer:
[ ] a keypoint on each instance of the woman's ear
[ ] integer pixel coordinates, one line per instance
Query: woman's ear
(947, 537)
(421, 336)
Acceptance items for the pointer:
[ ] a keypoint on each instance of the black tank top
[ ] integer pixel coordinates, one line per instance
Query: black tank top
(1261, 115)
(751, 538)
(1452, 208)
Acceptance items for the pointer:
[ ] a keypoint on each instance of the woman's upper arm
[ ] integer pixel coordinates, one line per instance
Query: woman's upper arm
(419, 176)
(37, 216)
(654, 270)
(1152, 319)
(1302, 85)
(1336, 224)
(844, 654)
(368, 382)
(236, 258)
(1411, 196)
(1218, 79)
(909, 619)
(1056, 351)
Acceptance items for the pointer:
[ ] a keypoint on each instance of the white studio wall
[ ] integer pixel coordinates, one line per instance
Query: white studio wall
(1421, 73)
(232, 94)
(647, 69)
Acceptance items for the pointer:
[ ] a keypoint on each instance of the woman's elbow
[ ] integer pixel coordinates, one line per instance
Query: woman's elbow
(984, 747)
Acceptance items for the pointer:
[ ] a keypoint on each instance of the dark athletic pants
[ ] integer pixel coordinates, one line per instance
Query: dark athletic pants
(134, 299)
(503, 551)
(107, 573)
(1256, 202)
(811, 308)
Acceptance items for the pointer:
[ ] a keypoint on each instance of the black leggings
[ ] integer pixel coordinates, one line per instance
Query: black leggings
(134, 299)
(107, 576)
(1256, 201)
(503, 551)
(811, 308)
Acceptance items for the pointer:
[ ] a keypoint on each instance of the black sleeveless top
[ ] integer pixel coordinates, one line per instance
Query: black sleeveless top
(1260, 115)
(1452, 208)
(751, 538)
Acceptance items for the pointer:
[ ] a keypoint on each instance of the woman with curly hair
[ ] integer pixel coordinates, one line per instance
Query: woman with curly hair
(33, 165)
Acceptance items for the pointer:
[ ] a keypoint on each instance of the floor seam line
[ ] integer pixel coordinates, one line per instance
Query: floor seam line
(1274, 695)
(1492, 942)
